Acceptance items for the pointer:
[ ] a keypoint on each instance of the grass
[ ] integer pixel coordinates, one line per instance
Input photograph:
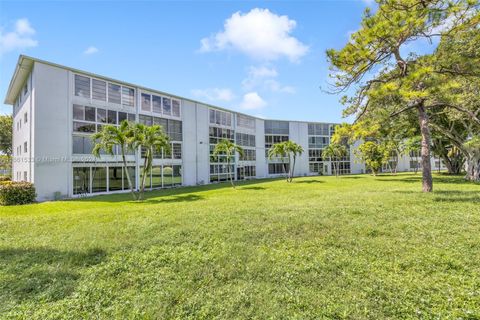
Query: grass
(354, 247)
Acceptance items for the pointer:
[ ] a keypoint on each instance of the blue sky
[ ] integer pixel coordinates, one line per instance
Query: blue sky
(262, 58)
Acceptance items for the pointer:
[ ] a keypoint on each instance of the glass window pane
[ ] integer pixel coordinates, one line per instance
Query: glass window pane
(102, 115)
(115, 178)
(83, 127)
(113, 93)
(157, 104)
(131, 117)
(146, 103)
(131, 172)
(167, 176)
(112, 116)
(82, 86)
(167, 108)
(156, 177)
(78, 112)
(122, 116)
(81, 180)
(148, 180)
(177, 175)
(176, 108)
(90, 114)
(99, 179)
(99, 90)
(128, 96)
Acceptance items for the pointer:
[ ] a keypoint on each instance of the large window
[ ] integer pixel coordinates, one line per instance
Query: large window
(277, 168)
(218, 134)
(128, 96)
(82, 86)
(318, 142)
(163, 176)
(319, 129)
(248, 155)
(276, 127)
(99, 90)
(246, 172)
(219, 117)
(273, 139)
(89, 119)
(146, 102)
(173, 128)
(157, 104)
(245, 121)
(99, 179)
(115, 178)
(81, 180)
(82, 145)
(245, 140)
(114, 95)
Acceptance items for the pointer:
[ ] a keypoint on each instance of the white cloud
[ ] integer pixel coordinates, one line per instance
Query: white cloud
(263, 77)
(260, 34)
(90, 50)
(20, 38)
(252, 101)
(214, 94)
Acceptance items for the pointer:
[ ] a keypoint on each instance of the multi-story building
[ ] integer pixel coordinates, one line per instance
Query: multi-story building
(56, 109)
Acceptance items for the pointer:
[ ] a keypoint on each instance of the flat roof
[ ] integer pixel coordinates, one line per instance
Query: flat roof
(25, 65)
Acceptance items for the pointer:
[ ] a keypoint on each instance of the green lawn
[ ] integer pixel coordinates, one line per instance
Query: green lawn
(321, 247)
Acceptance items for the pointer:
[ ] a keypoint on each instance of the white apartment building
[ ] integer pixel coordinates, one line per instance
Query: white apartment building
(57, 108)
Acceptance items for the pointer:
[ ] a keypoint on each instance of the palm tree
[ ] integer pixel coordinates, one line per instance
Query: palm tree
(293, 149)
(227, 148)
(111, 136)
(335, 152)
(279, 150)
(151, 139)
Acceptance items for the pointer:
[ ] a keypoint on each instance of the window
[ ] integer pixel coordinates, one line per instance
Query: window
(174, 130)
(25, 117)
(83, 127)
(81, 180)
(276, 127)
(315, 155)
(25, 176)
(114, 93)
(317, 167)
(175, 108)
(220, 117)
(177, 151)
(82, 86)
(248, 155)
(89, 114)
(81, 145)
(25, 147)
(128, 96)
(245, 121)
(115, 178)
(167, 107)
(318, 142)
(157, 104)
(146, 120)
(319, 129)
(277, 168)
(146, 102)
(246, 172)
(99, 90)
(111, 117)
(177, 175)
(273, 139)
(99, 179)
(102, 115)
(246, 140)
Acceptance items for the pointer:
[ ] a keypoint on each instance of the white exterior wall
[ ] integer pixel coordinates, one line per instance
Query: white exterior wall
(203, 145)
(299, 134)
(261, 160)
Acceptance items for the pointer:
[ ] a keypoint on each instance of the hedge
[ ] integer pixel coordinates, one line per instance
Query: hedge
(5, 178)
(14, 193)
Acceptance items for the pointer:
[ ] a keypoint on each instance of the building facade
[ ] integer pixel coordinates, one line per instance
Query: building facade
(56, 109)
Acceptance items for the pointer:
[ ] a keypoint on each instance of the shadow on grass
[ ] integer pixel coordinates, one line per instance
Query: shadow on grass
(180, 198)
(308, 181)
(150, 195)
(253, 188)
(43, 274)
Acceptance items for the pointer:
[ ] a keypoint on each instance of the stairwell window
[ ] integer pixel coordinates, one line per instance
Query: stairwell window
(82, 86)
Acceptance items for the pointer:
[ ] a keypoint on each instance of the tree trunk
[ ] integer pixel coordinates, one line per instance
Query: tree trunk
(229, 172)
(145, 168)
(293, 168)
(427, 182)
(130, 185)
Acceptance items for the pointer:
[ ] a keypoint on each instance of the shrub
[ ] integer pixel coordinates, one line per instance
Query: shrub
(14, 193)
(5, 178)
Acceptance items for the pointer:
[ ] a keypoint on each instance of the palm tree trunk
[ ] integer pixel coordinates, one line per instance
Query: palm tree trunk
(427, 182)
(229, 172)
(130, 185)
(144, 174)
(293, 168)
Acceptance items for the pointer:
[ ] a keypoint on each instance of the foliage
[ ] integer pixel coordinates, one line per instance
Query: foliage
(5, 178)
(399, 83)
(229, 149)
(372, 154)
(121, 136)
(16, 193)
(287, 151)
(353, 247)
(6, 127)
(152, 139)
(335, 152)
